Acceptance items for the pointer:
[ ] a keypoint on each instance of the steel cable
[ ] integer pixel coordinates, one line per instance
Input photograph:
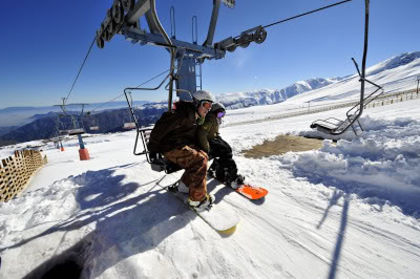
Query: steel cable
(80, 69)
(306, 13)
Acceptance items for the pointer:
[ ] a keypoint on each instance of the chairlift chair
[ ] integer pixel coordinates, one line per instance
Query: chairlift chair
(83, 152)
(335, 126)
(75, 132)
(157, 164)
(63, 132)
(94, 128)
(129, 126)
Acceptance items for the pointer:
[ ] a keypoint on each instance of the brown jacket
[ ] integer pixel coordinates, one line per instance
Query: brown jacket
(174, 129)
(209, 130)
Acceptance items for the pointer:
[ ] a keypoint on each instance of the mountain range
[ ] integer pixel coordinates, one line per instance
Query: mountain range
(268, 96)
(45, 122)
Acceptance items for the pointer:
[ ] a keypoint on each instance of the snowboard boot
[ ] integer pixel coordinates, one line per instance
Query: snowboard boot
(205, 204)
(239, 180)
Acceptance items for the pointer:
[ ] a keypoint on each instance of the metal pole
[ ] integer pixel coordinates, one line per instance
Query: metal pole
(81, 144)
(418, 81)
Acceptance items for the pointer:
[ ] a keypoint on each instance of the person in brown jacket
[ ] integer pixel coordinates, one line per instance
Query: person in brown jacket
(175, 137)
(223, 166)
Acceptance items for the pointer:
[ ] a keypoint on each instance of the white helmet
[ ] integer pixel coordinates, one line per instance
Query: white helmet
(203, 95)
(218, 107)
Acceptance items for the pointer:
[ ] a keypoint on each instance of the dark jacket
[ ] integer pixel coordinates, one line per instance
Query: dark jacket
(174, 129)
(208, 131)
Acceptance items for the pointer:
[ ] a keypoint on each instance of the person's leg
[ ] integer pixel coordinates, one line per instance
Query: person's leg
(215, 150)
(195, 164)
(219, 148)
(224, 165)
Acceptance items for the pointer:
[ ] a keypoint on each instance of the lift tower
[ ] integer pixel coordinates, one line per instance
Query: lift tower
(123, 18)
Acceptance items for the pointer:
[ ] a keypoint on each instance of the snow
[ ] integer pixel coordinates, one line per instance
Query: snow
(347, 210)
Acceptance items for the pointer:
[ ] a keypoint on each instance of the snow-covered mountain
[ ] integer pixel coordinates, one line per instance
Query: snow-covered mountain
(394, 62)
(396, 73)
(237, 100)
(18, 116)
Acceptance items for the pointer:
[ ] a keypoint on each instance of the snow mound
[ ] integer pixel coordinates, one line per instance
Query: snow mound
(383, 164)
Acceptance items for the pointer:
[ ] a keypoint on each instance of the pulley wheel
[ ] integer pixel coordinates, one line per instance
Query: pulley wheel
(99, 40)
(117, 12)
(127, 5)
(260, 35)
(232, 48)
(110, 30)
(244, 45)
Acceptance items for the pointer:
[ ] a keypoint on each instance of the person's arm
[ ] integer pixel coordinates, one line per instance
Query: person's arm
(202, 134)
(167, 123)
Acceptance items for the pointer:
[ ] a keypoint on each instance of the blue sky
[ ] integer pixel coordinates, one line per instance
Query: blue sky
(43, 44)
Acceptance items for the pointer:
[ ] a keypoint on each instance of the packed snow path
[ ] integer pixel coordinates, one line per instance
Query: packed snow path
(345, 211)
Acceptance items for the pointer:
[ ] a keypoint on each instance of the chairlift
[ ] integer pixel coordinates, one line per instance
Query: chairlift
(78, 131)
(90, 120)
(63, 132)
(335, 126)
(160, 164)
(184, 56)
(129, 126)
(83, 152)
(94, 128)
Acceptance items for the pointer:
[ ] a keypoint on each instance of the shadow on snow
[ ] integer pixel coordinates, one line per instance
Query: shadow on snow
(406, 200)
(340, 235)
(125, 224)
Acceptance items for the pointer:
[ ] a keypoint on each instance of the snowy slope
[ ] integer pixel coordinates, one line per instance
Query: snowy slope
(395, 74)
(393, 78)
(345, 211)
(348, 210)
(237, 100)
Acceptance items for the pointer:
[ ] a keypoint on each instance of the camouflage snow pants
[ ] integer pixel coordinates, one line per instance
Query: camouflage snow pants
(195, 164)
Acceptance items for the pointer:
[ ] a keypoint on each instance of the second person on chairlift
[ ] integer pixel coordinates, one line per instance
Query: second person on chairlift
(223, 166)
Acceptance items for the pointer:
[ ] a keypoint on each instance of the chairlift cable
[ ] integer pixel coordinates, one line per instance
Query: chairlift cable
(80, 69)
(306, 13)
(119, 96)
(155, 77)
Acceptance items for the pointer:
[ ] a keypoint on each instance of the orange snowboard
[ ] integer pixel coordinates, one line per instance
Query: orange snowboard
(252, 192)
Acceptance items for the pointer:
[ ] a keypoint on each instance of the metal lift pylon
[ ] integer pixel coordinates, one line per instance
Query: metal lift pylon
(123, 18)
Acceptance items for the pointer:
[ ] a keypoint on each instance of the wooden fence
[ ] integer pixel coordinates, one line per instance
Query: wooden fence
(15, 172)
(382, 100)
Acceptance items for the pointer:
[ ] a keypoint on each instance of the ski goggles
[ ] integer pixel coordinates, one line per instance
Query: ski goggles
(206, 104)
(221, 114)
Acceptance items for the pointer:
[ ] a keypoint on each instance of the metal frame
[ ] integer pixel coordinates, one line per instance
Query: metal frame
(185, 54)
(354, 113)
(75, 131)
(123, 19)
